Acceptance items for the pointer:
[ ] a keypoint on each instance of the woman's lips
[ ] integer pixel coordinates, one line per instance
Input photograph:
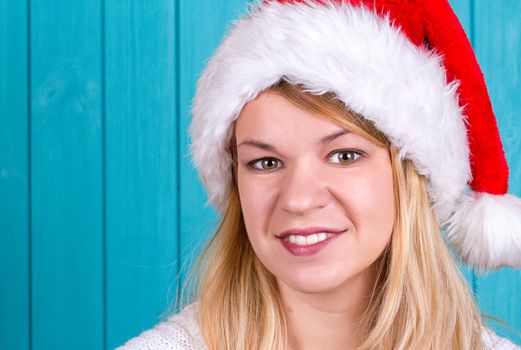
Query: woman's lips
(307, 250)
(307, 231)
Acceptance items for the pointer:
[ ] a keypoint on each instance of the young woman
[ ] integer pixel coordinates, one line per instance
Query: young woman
(330, 134)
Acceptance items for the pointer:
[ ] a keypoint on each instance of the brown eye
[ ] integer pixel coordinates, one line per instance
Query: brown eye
(344, 157)
(265, 164)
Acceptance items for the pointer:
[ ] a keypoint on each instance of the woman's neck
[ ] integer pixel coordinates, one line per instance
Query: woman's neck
(327, 320)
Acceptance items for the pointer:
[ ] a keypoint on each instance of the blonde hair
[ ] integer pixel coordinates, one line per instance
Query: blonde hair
(420, 299)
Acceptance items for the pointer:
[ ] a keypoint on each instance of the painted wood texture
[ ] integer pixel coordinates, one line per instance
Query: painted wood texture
(67, 242)
(15, 251)
(101, 211)
(142, 204)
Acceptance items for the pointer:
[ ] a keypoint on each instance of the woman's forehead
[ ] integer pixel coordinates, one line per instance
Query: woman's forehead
(273, 123)
(273, 115)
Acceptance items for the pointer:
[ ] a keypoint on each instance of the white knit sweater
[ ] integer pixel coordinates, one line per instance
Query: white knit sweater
(181, 332)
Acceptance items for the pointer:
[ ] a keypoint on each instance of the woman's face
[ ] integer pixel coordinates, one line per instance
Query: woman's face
(304, 176)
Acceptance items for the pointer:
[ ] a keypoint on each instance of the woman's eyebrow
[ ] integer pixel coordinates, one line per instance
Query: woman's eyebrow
(329, 138)
(271, 148)
(258, 144)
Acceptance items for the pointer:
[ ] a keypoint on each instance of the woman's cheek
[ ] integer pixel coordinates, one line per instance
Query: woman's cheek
(256, 195)
(366, 194)
(378, 199)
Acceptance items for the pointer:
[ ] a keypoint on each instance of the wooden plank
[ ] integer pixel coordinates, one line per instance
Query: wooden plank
(198, 221)
(14, 177)
(142, 165)
(498, 47)
(66, 148)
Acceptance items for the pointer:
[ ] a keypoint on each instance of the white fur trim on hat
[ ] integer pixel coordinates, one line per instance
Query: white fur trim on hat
(350, 51)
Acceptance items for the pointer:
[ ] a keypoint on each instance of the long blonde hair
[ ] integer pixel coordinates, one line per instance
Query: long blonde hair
(420, 299)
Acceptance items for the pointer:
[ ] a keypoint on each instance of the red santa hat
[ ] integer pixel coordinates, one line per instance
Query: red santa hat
(405, 65)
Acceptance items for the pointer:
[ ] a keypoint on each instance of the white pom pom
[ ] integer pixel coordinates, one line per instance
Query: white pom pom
(486, 231)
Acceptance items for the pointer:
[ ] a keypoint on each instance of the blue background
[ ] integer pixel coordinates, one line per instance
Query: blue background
(101, 210)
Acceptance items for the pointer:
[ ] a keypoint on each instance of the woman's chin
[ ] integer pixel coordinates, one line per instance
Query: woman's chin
(313, 283)
(327, 279)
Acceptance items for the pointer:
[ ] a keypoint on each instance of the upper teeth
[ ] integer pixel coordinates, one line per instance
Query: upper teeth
(307, 240)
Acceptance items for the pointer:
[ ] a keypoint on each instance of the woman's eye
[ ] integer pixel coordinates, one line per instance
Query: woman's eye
(344, 156)
(265, 164)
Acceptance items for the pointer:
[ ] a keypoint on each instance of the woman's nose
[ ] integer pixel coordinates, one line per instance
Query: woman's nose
(304, 189)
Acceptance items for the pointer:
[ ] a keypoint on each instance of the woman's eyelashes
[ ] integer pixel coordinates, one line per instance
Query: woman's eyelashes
(342, 157)
(265, 164)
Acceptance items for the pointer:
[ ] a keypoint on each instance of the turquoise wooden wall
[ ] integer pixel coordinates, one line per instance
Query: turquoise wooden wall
(100, 208)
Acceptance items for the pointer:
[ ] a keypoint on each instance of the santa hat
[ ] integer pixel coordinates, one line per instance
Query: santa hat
(405, 65)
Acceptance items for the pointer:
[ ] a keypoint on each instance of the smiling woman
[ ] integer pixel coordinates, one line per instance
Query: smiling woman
(335, 147)
(359, 287)
(322, 182)
(328, 184)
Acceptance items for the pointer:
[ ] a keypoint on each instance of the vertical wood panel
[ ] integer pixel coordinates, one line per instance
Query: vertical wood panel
(14, 177)
(202, 26)
(141, 158)
(66, 149)
(498, 47)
